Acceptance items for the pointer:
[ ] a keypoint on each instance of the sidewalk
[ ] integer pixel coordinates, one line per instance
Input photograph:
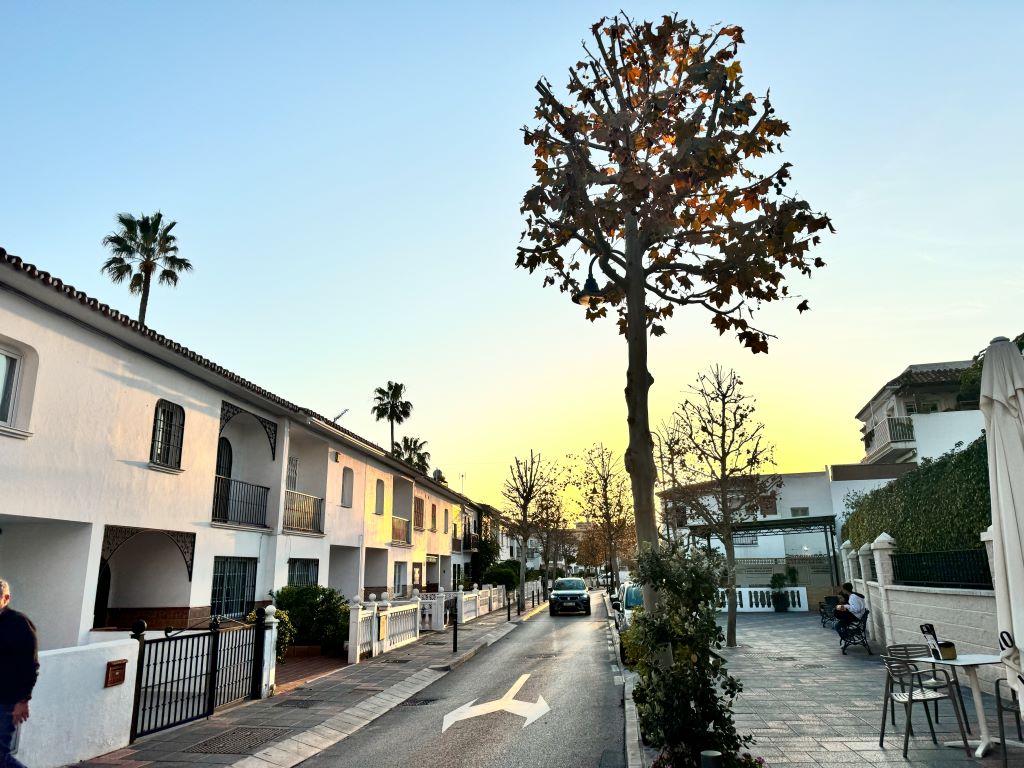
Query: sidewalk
(808, 705)
(286, 729)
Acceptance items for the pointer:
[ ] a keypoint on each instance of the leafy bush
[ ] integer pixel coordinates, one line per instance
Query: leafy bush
(684, 696)
(943, 504)
(319, 614)
(285, 632)
(502, 574)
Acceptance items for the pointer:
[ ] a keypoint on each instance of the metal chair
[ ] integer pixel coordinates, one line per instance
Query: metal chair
(909, 679)
(908, 651)
(827, 610)
(1012, 706)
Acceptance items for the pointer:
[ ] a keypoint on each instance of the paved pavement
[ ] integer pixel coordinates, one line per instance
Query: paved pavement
(808, 705)
(312, 717)
(568, 713)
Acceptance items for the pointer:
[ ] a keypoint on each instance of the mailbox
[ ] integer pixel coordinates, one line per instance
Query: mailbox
(115, 672)
(382, 626)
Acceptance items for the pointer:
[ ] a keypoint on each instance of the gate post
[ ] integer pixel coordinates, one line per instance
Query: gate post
(259, 646)
(211, 668)
(138, 633)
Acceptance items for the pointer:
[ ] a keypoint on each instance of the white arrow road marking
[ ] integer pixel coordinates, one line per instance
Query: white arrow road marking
(508, 703)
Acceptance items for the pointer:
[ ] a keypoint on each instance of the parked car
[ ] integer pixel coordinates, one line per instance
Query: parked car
(628, 597)
(569, 595)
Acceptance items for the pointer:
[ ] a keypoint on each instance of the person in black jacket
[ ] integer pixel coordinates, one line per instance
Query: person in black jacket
(19, 668)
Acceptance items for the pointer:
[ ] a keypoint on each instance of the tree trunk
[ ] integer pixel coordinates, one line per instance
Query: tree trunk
(522, 574)
(614, 562)
(391, 448)
(639, 457)
(730, 591)
(144, 301)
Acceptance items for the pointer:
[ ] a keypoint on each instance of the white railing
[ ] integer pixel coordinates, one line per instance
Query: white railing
(362, 627)
(759, 599)
(468, 606)
(397, 625)
(432, 615)
(484, 605)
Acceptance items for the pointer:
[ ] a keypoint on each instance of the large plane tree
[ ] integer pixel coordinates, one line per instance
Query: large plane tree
(654, 168)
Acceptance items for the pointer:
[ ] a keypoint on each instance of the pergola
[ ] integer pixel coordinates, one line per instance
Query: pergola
(826, 524)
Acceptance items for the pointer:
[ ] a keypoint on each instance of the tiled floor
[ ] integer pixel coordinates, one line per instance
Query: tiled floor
(808, 705)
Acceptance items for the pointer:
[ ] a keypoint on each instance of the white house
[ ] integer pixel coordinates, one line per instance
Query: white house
(140, 480)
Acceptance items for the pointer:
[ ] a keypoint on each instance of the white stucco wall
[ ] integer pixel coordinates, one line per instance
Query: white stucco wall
(838, 489)
(73, 717)
(937, 433)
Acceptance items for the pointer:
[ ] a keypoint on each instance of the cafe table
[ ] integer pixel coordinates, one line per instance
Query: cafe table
(969, 663)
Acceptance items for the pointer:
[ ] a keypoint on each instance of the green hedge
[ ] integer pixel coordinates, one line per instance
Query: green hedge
(944, 504)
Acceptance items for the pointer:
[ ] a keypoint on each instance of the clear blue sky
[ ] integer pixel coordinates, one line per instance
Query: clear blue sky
(347, 183)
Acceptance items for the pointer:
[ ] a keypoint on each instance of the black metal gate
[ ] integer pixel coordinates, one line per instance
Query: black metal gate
(188, 676)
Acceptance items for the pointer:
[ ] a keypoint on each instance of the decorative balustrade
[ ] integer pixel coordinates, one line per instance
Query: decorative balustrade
(303, 513)
(759, 599)
(362, 626)
(468, 606)
(893, 429)
(239, 503)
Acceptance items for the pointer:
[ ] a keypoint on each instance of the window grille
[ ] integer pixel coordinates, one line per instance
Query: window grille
(347, 483)
(8, 378)
(291, 482)
(168, 434)
(303, 572)
(417, 513)
(745, 539)
(433, 517)
(234, 586)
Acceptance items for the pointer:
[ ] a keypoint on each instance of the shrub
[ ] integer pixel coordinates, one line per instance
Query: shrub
(684, 695)
(502, 574)
(285, 632)
(319, 614)
(943, 504)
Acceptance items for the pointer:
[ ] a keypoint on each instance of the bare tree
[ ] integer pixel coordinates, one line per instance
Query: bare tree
(528, 480)
(552, 529)
(602, 480)
(713, 457)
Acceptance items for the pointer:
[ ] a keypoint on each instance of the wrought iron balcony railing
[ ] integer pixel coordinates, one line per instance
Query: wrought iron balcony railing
(303, 513)
(238, 503)
(471, 542)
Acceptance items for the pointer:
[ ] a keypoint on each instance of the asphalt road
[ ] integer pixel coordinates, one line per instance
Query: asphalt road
(569, 663)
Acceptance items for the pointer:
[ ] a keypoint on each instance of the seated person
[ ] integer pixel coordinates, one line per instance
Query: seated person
(851, 607)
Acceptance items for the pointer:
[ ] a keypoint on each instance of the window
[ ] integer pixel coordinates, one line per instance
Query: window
(9, 370)
(745, 539)
(168, 432)
(347, 481)
(446, 521)
(433, 517)
(303, 572)
(799, 512)
(378, 507)
(417, 513)
(234, 586)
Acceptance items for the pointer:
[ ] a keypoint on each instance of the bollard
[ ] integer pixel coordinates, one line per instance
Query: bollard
(508, 605)
(710, 758)
(455, 634)
(518, 609)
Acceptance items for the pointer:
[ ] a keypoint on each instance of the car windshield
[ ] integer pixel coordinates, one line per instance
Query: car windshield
(634, 597)
(564, 584)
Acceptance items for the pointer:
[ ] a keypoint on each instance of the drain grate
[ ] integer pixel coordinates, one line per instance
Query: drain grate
(435, 642)
(783, 658)
(238, 741)
(299, 703)
(416, 702)
(395, 661)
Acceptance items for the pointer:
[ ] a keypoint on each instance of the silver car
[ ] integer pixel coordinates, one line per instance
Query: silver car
(628, 597)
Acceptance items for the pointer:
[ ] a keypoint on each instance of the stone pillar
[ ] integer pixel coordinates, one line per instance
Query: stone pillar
(847, 558)
(353, 630)
(270, 623)
(864, 558)
(883, 548)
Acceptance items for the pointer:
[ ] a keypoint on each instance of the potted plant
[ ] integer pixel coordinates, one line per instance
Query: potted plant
(779, 598)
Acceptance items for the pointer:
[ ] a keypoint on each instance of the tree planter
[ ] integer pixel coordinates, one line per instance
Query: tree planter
(780, 601)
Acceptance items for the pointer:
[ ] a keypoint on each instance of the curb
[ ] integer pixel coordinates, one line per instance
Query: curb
(633, 742)
(530, 613)
(306, 744)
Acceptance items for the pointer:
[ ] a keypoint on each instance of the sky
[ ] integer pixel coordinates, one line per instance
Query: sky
(346, 181)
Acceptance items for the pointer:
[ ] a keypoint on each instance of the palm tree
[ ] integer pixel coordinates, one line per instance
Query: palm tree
(141, 247)
(388, 404)
(410, 450)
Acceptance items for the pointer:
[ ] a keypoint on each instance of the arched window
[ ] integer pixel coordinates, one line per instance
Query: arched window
(224, 457)
(347, 482)
(168, 434)
(378, 507)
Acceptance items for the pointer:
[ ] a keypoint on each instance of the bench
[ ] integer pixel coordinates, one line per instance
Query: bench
(854, 633)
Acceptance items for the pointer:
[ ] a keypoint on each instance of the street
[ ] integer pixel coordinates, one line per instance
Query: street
(569, 664)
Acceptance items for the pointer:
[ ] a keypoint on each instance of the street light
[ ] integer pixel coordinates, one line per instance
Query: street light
(591, 291)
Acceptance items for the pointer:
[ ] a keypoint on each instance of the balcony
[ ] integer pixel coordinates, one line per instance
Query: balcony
(401, 532)
(889, 439)
(303, 513)
(456, 544)
(238, 503)
(471, 542)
